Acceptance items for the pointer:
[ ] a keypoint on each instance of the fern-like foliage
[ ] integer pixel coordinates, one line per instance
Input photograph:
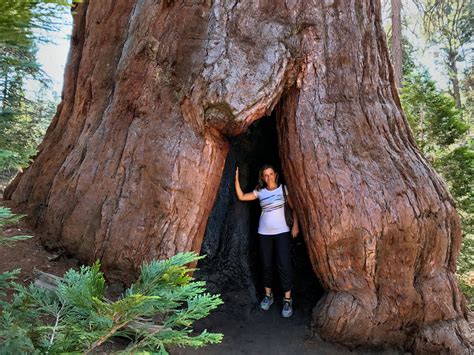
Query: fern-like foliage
(155, 312)
(8, 218)
(6, 278)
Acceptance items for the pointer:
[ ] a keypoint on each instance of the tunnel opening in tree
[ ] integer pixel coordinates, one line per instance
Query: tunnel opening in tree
(232, 265)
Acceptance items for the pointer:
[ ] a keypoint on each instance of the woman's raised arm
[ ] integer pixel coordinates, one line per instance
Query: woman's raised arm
(250, 196)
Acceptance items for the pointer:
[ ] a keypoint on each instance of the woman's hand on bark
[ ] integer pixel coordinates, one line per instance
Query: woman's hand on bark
(295, 230)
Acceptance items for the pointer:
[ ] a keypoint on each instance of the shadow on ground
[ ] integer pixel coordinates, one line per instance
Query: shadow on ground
(268, 333)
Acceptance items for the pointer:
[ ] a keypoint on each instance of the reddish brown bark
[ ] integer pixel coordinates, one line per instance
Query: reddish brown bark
(130, 167)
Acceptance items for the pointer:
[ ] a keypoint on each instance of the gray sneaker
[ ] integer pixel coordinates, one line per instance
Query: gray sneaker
(287, 310)
(266, 302)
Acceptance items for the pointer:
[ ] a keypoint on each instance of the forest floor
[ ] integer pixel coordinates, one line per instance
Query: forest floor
(269, 333)
(257, 332)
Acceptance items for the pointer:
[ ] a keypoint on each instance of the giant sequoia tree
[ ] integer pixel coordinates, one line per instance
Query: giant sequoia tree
(154, 93)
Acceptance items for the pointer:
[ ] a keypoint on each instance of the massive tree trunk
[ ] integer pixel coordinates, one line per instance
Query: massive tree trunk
(131, 165)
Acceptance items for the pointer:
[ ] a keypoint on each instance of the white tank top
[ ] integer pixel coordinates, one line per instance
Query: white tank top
(272, 220)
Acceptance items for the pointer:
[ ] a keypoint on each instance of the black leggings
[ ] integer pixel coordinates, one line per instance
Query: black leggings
(281, 244)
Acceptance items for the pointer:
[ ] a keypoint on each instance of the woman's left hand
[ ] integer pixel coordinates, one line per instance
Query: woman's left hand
(295, 230)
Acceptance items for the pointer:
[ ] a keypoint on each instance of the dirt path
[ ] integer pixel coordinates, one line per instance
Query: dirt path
(268, 333)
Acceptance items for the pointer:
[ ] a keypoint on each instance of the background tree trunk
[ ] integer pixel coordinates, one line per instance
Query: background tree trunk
(449, 25)
(397, 54)
(453, 78)
(131, 165)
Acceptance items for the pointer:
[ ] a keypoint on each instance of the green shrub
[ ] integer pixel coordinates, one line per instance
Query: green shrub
(157, 311)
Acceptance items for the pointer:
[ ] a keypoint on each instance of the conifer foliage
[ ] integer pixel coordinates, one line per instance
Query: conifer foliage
(157, 311)
(8, 218)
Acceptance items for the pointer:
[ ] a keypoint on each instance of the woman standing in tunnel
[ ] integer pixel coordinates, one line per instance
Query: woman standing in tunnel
(274, 233)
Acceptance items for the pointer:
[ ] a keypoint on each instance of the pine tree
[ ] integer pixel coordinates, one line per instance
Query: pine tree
(22, 25)
(432, 114)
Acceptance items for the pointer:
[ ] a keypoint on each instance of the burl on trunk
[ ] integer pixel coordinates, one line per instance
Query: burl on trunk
(130, 166)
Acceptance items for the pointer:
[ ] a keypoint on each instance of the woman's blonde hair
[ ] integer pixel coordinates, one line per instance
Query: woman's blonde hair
(261, 184)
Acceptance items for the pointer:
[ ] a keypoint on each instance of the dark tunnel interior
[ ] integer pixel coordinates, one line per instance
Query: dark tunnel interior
(232, 265)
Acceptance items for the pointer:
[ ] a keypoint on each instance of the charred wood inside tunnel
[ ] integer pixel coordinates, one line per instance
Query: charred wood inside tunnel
(232, 264)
